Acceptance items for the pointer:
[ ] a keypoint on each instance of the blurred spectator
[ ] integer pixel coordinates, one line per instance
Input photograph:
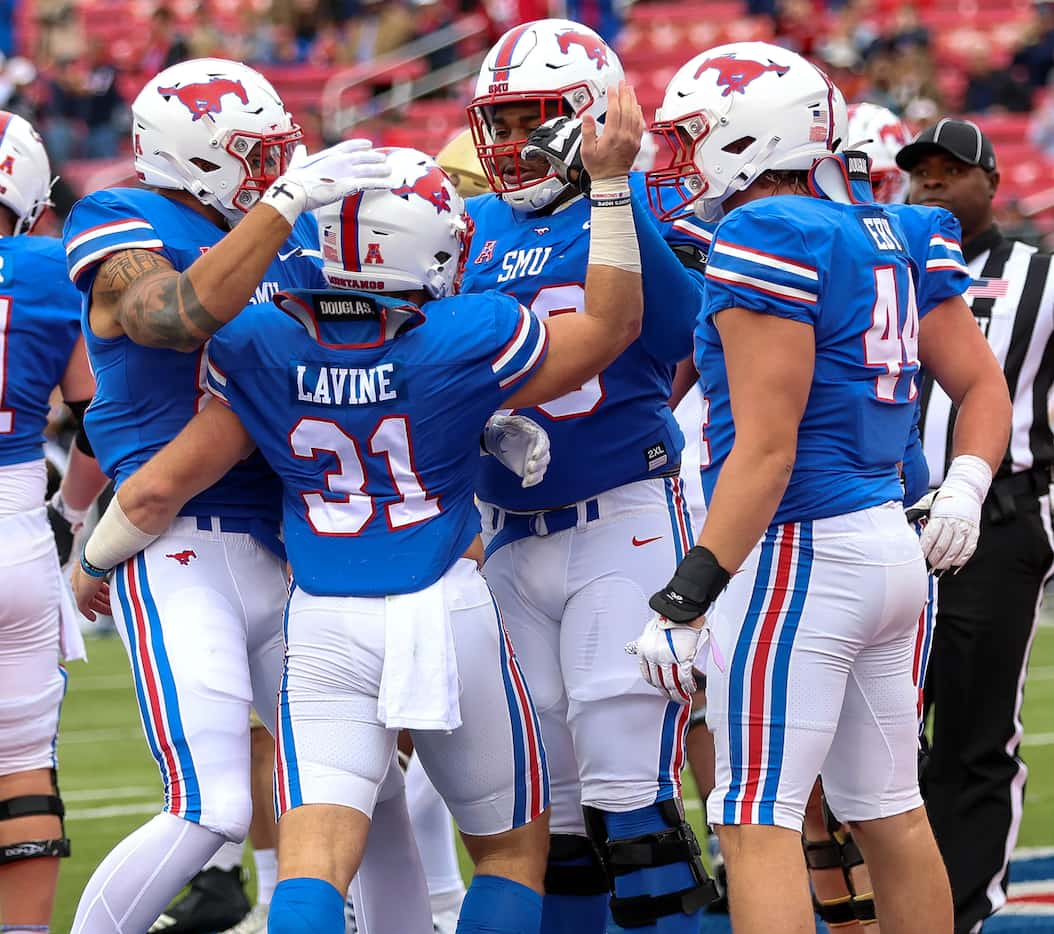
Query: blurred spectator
(797, 25)
(1017, 225)
(1035, 54)
(101, 106)
(1041, 126)
(990, 88)
(62, 113)
(908, 34)
(165, 45)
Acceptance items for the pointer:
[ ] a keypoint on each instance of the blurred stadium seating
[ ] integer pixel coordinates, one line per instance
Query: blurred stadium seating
(656, 38)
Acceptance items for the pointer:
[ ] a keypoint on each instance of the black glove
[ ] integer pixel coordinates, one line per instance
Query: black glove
(63, 532)
(559, 141)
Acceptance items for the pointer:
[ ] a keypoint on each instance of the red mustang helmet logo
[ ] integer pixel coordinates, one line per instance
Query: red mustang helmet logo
(734, 74)
(207, 97)
(183, 557)
(595, 49)
(430, 187)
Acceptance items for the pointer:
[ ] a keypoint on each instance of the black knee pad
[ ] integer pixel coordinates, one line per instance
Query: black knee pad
(33, 806)
(675, 845)
(839, 851)
(574, 868)
(697, 718)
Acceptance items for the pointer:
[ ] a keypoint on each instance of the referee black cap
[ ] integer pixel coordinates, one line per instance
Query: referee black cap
(960, 138)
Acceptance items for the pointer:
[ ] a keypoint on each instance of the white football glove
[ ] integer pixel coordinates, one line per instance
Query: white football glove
(950, 535)
(521, 444)
(327, 176)
(667, 652)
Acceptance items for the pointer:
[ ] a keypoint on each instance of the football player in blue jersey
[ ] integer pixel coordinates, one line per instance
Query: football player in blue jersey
(573, 559)
(161, 269)
(368, 400)
(40, 348)
(840, 880)
(808, 345)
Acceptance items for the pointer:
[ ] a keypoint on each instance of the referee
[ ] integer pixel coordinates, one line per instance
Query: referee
(987, 613)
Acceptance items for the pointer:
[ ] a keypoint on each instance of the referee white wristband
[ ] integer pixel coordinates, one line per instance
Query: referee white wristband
(612, 233)
(115, 539)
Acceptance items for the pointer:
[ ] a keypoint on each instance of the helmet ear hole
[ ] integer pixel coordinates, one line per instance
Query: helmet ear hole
(737, 146)
(204, 164)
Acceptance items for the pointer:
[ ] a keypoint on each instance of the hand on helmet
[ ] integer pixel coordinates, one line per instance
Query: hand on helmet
(611, 154)
(559, 141)
(327, 176)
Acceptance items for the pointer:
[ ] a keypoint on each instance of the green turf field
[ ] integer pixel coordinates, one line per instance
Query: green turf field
(111, 785)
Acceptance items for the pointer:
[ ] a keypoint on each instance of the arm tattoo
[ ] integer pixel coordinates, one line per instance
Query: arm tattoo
(155, 305)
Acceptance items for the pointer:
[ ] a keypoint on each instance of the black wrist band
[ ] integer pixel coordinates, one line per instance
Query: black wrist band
(693, 588)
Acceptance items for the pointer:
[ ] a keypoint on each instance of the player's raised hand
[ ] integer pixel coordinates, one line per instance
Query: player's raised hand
(327, 176)
(667, 652)
(92, 594)
(610, 154)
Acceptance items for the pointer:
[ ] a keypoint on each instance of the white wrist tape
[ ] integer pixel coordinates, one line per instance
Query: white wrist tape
(612, 233)
(75, 517)
(287, 197)
(115, 539)
(969, 473)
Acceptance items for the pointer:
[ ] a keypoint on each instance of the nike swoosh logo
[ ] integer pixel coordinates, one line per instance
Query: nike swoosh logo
(645, 541)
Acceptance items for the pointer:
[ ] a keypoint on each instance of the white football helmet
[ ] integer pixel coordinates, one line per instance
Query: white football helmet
(413, 235)
(214, 128)
(559, 66)
(25, 172)
(881, 134)
(731, 114)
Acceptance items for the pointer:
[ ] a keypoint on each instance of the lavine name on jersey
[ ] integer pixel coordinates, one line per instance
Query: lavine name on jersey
(338, 385)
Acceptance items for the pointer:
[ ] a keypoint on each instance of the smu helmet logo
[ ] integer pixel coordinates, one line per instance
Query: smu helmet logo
(595, 50)
(430, 187)
(734, 74)
(206, 97)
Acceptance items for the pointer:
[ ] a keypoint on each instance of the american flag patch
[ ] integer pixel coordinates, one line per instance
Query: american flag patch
(988, 288)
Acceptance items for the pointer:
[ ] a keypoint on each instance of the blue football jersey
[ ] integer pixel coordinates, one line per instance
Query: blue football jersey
(39, 326)
(618, 427)
(145, 395)
(933, 237)
(370, 411)
(845, 270)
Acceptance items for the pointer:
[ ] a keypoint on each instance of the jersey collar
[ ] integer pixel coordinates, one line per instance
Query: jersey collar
(342, 319)
(982, 243)
(843, 178)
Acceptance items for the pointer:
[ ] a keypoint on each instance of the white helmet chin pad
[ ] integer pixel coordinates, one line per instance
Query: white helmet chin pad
(535, 197)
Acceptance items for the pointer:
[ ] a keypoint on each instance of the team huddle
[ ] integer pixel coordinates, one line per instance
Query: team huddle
(388, 461)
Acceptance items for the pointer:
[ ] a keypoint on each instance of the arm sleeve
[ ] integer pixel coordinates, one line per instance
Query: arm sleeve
(784, 280)
(673, 286)
(99, 226)
(945, 274)
(520, 344)
(219, 364)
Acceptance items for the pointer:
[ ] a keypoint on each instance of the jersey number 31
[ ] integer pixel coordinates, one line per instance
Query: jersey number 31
(354, 508)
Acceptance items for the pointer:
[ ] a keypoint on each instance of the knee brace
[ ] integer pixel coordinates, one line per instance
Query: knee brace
(574, 868)
(697, 717)
(677, 844)
(32, 806)
(839, 851)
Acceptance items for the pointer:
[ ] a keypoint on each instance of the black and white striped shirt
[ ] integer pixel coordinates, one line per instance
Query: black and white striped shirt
(1012, 298)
